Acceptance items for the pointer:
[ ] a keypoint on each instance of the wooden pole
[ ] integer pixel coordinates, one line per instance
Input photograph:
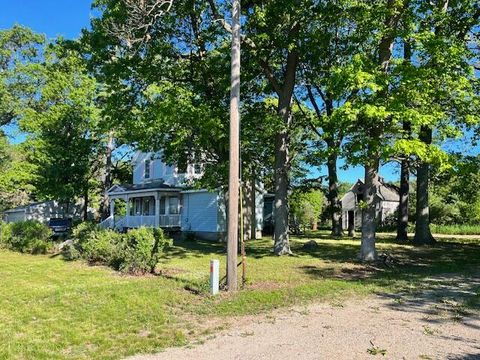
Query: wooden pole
(234, 175)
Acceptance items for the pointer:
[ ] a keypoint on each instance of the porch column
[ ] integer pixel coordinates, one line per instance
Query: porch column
(127, 209)
(157, 210)
(167, 210)
(112, 211)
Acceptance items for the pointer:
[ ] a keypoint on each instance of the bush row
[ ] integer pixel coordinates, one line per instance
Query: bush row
(135, 252)
(30, 237)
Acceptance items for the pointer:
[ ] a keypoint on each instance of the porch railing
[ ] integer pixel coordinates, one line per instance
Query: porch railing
(107, 223)
(170, 221)
(139, 221)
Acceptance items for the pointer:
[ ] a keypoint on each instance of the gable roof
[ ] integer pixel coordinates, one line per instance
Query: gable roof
(386, 191)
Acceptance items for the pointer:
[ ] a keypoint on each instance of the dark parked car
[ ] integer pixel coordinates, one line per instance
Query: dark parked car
(60, 226)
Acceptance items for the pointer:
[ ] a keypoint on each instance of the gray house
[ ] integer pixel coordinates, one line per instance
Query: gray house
(387, 202)
(161, 196)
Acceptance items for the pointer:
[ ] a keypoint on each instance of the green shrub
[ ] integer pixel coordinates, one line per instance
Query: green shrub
(101, 247)
(93, 244)
(31, 237)
(140, 250)
(83, 231)
(136, 252)
(71, 252)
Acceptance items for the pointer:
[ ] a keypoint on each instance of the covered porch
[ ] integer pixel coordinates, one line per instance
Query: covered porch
(145, 205)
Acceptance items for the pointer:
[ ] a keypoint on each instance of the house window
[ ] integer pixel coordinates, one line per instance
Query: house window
(173, 205)
(138, 206)
(146, 206)
(197, 169)
(359, 198)
(162, 206)
(147, 169)
(182, 166)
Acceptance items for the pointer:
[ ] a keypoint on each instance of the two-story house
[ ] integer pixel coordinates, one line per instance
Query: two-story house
(161, 196)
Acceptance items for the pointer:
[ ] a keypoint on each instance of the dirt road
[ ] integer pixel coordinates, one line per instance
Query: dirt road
(430, 325)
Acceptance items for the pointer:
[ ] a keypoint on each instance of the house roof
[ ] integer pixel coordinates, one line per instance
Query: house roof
(154, 185)
(386, 192)
(389, 192)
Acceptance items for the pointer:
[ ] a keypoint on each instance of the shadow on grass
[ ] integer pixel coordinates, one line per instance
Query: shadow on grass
(441, 283)
(427, 275)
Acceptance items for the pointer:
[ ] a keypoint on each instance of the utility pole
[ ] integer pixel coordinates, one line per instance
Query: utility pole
(234, 174)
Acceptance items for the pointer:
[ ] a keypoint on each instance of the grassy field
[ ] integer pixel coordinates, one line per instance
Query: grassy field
(52, 309)
(456, 229)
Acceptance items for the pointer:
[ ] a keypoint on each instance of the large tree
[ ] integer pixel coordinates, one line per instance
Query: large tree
(20, 49)
(178, 74)
(60, 123)
(333, 40)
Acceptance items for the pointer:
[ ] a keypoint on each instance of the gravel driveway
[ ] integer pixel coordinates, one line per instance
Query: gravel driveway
(430, 325)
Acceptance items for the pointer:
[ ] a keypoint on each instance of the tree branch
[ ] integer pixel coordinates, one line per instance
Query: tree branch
(142, 15)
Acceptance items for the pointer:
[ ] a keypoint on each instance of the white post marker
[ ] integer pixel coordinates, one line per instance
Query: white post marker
(214, 276)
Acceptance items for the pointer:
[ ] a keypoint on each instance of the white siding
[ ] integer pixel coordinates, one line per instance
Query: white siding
(15, 216)
(349, 201)
(259, 200)
(138, 170)
(159, 170)
(200, 212)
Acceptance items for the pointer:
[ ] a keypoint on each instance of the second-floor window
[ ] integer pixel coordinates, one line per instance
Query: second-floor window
(197, 169)
(147, 169)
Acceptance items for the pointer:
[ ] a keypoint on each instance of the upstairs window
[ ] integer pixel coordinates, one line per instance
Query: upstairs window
(146, 173)
(197, 169)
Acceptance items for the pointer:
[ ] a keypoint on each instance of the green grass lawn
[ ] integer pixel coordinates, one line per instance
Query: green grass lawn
(53, 309)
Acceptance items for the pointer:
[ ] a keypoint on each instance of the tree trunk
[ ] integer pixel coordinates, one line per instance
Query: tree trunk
(351, 229)
(249, 215)
(334, 203)
(86, 200)
(253, 220)
(423, 235)
(402, 221)
(282, 244)
(107, 179)
(282, 161)
(369, 224)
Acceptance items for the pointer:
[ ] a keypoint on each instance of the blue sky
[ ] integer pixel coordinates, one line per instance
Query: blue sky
(51, 17)
(67, 17)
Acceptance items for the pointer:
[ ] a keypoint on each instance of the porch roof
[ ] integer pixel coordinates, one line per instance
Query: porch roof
(139, 188)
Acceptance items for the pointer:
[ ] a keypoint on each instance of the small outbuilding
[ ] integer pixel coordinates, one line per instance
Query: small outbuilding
(44, 211)
(387, 201)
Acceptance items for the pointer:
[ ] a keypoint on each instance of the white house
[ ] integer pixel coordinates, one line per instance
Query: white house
(387, 200)
(161, 196)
